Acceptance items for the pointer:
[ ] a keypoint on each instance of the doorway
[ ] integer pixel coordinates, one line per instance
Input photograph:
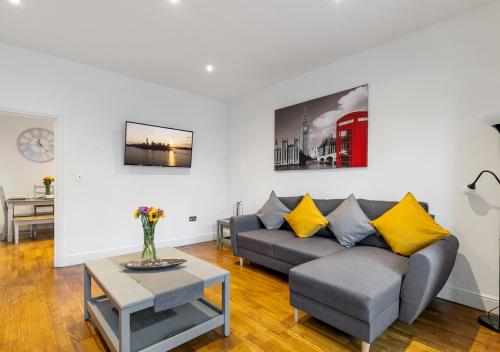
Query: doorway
(29, 182)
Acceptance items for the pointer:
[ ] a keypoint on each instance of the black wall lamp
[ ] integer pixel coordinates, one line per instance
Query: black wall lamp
(489, 320)
(473, 184)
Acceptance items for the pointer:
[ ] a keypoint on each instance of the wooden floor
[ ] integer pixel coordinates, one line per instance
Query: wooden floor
(41, 310)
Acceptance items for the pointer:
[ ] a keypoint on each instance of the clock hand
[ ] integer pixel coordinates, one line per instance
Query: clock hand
(40, 144)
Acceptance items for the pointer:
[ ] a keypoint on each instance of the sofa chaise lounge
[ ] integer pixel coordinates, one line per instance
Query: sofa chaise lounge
(360, 290)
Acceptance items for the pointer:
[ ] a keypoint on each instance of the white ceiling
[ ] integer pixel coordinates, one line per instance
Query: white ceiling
(251, 44)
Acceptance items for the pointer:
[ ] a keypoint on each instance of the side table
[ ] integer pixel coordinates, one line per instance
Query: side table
(221, 225)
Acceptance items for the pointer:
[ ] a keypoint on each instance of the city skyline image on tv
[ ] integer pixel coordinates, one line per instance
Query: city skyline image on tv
(150, 145)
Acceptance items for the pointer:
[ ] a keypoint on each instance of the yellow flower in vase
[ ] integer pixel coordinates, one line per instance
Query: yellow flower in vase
(154, 215)
(47, 180)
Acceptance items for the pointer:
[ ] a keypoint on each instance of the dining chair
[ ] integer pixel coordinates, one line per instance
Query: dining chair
(5, 208)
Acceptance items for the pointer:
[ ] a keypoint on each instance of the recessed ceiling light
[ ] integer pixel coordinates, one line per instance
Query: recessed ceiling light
(174, 1)
(15, 2)
(209, 68)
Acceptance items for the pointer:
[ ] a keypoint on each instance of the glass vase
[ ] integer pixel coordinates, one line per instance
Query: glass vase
(149, 249)
(47, 189)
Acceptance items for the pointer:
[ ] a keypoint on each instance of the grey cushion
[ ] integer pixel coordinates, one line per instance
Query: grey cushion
(272, 212)
(262, 241)
(348, 223)
(361, 282)
(302, 250)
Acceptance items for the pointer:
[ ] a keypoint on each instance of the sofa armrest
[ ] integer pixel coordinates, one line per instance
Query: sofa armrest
(428, 271)
(242, 223)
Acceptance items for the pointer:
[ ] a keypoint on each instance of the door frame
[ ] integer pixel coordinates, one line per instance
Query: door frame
(59, 190)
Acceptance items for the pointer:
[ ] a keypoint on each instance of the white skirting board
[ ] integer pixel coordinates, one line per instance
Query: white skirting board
(467, 298)
(74, 259)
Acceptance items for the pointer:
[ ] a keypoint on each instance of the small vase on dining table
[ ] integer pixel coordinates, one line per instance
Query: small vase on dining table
(47, 181)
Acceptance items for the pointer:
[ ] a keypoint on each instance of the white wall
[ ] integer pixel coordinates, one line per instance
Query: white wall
(92, 106)
(426, 91)
(18, 175)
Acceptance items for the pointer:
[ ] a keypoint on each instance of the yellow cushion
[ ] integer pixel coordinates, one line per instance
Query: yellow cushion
(407, 227)
(306, 219)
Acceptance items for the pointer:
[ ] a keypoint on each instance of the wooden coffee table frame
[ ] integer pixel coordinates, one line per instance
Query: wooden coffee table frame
(116, 330)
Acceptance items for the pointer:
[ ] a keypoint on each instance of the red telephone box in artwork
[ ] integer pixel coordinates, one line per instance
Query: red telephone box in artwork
(352, 140)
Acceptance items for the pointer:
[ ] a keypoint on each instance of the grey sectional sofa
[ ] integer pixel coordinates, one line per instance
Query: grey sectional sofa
(361, 290)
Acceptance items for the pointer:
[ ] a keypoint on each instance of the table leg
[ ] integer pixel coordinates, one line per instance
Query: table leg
(228, 228)
(226, 303)
(221, 236)
(219, 229)
(87, 293)
(16, 233)
(124, 330)
(10, 218)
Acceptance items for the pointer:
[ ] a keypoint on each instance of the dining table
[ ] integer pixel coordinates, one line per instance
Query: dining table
(22, 202)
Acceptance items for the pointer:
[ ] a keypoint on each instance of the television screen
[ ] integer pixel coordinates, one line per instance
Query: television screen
(150, 145)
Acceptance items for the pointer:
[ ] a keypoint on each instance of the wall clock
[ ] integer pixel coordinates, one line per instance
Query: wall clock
(37, 144)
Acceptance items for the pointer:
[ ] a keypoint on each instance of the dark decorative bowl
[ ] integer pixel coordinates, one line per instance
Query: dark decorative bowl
(147, 265)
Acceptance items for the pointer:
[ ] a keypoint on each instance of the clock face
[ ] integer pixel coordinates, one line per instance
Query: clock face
(36, 144)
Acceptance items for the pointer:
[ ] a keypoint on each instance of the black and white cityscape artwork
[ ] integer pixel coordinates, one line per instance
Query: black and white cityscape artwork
(323, 133)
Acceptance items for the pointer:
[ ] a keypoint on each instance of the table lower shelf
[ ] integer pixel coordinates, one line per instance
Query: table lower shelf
(162, 331)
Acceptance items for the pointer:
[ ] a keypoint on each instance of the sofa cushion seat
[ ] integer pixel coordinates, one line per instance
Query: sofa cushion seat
(262, 241)
(301, 250)
(361, 282)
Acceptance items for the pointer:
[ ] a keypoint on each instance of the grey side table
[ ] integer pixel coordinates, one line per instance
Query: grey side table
(221, 225)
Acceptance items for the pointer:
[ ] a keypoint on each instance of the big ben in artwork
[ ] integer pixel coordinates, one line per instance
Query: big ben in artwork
(305, 133)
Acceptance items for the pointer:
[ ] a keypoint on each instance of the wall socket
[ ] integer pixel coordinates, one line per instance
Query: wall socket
(192, 218)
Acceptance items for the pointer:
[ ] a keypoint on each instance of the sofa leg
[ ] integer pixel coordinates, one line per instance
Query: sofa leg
(295, 315)
(241, 261)
(365, 346)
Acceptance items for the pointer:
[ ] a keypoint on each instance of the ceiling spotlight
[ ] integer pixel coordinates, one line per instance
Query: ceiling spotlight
(173, 2)
(15, 2)
(209, 68)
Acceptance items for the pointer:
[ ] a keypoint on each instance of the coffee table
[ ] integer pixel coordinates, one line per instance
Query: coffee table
(113, 313)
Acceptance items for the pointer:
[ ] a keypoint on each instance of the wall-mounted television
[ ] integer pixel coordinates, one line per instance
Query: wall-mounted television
(150, 145)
